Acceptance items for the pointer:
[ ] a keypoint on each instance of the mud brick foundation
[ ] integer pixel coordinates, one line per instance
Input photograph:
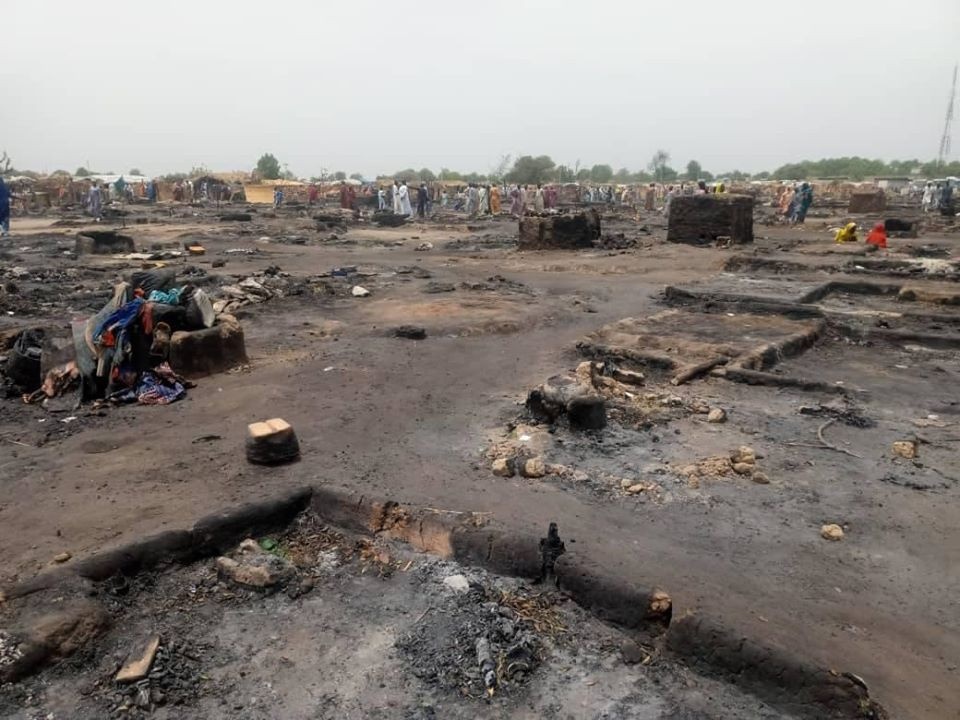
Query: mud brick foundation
(559, 231)
(867, 202)
(701, 219)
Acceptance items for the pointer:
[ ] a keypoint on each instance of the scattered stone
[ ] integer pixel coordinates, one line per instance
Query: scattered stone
(534, 468)
(744, 455)
(424, 246)
(138, 666)
(760, 478)
(62, 557)
(831, 531)
(629, 376)
(699, 407)
(743, 468)
(359, 291)
(256, 569)
(433, 287)
(411, 332)
(626, 483)
(503, 467)
(636, 488)
(631, 652)
(457, 582)
(717, 415)
(906, 449)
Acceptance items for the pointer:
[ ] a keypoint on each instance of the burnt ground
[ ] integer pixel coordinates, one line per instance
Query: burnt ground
(364, 631)
(414, 421)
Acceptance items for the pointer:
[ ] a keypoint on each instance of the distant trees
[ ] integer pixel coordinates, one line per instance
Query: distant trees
(694, 170)
(339, 175)
(529, 170)
(601, 173)
(426, 175)
(658, 165)
(135, 171)
(268, 167)
(356, 176)
(83, 172)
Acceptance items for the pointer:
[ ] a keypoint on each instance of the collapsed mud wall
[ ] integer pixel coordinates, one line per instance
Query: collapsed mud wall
(567, 232)
(701, 219)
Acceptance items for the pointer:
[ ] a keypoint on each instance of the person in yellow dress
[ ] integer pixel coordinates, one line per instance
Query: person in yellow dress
(495, 200)
(848, 233)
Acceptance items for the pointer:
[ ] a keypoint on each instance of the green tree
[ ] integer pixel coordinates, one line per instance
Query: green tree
(339, 175)
(426, 175)
(601, 173)
(408, 174)
(356, 176)
(448, 174)
(694, 170)
(268, 167)
(529, 170)
(583, 174)
(658, 165)
(83, 172)
(564, 174)
(135, 171)
(622, 176)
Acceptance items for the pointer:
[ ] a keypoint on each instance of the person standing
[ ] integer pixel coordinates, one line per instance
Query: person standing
(277, 197)
(313, 195)
(395, 198)
(495, 200)
(538, 199)
(381, 199)
(516, 202)
(422, 197)
(94, 202)
(4, 209)
(927, 199)
(403, 196)
(483, 200)
(804, 203)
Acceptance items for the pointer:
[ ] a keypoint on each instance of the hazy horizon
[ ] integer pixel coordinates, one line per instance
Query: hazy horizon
(324, 88)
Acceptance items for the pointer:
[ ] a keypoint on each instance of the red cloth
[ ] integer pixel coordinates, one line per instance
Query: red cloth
(878, 236)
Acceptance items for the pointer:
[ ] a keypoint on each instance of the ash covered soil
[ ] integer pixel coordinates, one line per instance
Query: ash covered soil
(363, 630)
(415, 420)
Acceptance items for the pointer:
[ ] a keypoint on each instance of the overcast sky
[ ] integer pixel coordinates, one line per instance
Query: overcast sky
(376, 86)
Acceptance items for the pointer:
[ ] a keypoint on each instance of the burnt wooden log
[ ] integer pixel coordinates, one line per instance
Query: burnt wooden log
(566, 232)
(585, 409)
(701, 219)
(103, 242)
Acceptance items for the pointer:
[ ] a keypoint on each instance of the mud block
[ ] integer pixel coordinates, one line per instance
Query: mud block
(701, 219)
(208, 351)
(103, 242)
(565, 232)
(868, 202)
(272, 442)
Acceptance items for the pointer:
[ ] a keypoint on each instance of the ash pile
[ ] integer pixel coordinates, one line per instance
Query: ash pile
(151, 333)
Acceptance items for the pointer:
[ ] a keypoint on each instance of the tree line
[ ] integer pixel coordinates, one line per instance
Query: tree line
(533, 170)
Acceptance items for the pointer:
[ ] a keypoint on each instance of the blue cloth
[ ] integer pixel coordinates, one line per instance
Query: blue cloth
(4, 201)
(167, 297)
(119, 320)
(154, 389)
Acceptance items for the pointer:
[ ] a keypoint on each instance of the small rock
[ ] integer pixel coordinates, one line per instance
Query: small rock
(256, 570)
(424, 246)
(62, 557)
(760, 478)
(699, 407)
(629, 376)
(503, 467)
(457, 582)
(631, 652)
(637, 488)
(534, 468)
(743, 468)
(580, 476)
(905, 449)
(831, 532)
(717, 415)
(359, 291)
(744, 454)
(689, 470)
(625, 483)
